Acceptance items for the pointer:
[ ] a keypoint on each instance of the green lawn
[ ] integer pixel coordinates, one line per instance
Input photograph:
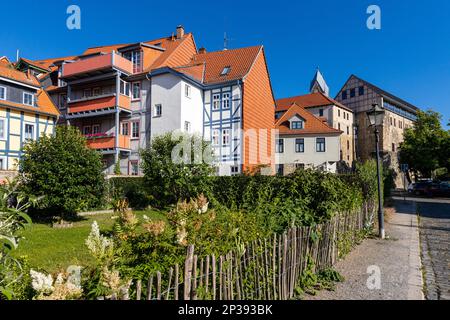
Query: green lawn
(55, 249)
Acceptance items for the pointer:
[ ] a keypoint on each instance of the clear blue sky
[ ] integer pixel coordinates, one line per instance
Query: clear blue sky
(409, 56)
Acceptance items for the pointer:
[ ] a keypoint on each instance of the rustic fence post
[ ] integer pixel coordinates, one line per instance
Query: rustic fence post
(138, 289)
(188, 272)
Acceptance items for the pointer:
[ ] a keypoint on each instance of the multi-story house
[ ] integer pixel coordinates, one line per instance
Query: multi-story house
(305, 141)
(26, 113)
(121, 96)
(336, 114)
(359, 95)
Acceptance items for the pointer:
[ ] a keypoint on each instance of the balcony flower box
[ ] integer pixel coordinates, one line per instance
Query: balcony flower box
(102, 135)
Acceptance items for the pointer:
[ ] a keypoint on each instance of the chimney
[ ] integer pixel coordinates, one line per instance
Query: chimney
(201, 51)
(180, 32)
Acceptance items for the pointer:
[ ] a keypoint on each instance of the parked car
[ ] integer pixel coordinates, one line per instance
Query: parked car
(421, 188)
(439, 189)
(411, 187)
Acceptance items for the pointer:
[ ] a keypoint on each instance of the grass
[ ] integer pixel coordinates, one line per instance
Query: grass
(53, 250)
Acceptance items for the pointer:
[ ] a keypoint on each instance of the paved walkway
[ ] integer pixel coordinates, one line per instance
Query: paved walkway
(397, 259)
(435, 244)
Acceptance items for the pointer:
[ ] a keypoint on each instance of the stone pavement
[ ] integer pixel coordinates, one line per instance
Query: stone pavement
(397, 259)
(435, 244)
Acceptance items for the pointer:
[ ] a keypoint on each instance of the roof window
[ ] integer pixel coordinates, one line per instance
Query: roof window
(225, 71)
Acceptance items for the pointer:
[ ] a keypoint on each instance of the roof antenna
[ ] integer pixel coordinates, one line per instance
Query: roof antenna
(225, 42)
(17, 55)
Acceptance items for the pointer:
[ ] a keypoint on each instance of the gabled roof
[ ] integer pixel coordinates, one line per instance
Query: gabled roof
(312, 124)
(5, 61)
(320, 80)
(308, 101)
(382, 92)
(239, 62)
(10, 73)
(44, 104)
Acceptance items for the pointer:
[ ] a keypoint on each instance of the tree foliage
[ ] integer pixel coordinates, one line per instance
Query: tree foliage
(63, 171)
(427, 145)
(177, 167)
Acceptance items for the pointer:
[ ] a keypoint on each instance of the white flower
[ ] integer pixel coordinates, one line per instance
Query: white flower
(41, 282)
(99, 245)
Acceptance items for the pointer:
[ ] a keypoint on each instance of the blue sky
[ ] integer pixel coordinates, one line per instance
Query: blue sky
(409, 56)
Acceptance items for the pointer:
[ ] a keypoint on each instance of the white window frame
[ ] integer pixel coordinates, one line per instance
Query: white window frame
(99, 89)
(324, 145)
(34, 131)
(84, 127)
(215, 137)
(5, 129)
(133, 98)
(124, 124)
(131, 162)
(187, 91)
(156, 114)
(32, 99)
(4, 93)
(133, 123)
(226, 137)
(3, 166)
(216, 101)
(95, 126)
(85, 96)
(187, 126)
(226, 103)
(124, 88)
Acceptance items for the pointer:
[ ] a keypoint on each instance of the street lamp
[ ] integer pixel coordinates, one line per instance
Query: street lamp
(376, 118)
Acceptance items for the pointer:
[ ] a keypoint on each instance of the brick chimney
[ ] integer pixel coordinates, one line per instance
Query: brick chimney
(180, 32)
(201, 51)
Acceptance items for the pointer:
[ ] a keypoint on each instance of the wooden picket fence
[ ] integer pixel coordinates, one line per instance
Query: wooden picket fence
(266, 269)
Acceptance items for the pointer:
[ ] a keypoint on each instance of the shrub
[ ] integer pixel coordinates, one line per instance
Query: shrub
(170, 181)
(64, 172)
(133, 189)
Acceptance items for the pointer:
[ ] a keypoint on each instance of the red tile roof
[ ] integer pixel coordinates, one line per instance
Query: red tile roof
(13, 74)
(308, 101)
(44, 103)
(312, 124)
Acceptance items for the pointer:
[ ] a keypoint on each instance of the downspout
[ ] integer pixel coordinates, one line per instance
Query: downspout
(117, 117)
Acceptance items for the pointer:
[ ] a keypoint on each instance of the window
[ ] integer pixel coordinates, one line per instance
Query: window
(136, 94)
(297, 125)
(352, 93)
(234, 169)
(279, 147)
(225, 71)
(87, 130)
(348, 130)
(125, 128)
(395, 122)
(339, 112)
(125, 88)
(344, 95)
(400, 125)
(96, 91)
(339, 126)
(320, 144)
(2, 129)
(216, 102)
(393, 147)
(390, 118)
(96, 129)
(134, 167)
(136, 58)
(215, 137)
(87, 93)
(300, 166)
(158, 110)
(361, 91)
(187, 91)
(320, 112)
(135, 130)
(187, 126)
(63, 101)
(2, 93)
(29, 131)
(225, 137)
(28, 99)
(348, 145)
(2, 163)
(299, 145)
(279, 169)
(226, 101)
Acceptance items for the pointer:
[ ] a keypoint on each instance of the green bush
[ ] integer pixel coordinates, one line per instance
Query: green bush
(64, 172)
(133, 189)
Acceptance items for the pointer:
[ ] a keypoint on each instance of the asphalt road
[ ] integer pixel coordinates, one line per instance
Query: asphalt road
(435, 245)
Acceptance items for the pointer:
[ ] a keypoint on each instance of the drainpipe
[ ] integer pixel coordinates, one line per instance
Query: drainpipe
(117, 115)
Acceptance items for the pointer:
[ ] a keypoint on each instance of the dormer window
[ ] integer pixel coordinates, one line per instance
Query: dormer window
(225, 71)
(28, 99)
(2, 93)
(297, 125)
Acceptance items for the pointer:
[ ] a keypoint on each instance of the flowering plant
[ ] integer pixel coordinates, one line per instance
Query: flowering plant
(98, 135)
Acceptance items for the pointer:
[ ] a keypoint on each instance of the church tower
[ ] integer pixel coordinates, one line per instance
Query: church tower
(318, 84)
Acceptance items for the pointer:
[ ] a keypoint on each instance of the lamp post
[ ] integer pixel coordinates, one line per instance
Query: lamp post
(376, 118)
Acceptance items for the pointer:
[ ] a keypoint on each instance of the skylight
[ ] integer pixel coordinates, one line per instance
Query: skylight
(225, 71)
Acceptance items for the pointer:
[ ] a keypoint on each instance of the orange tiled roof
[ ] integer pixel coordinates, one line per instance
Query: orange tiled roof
(44, 104)
(239, 61)
(312, 124)
(308, 101)
(4, 61)
(195, 71)
(13, 74)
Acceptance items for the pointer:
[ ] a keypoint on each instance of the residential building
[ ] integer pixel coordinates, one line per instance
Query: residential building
(305, 141)
(121, 96)
(359, 95)
(336, 114)
(26, 113)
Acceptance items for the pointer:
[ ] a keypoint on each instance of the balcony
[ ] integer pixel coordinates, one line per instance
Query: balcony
(96, 65)
(107, 143)
(97, 105)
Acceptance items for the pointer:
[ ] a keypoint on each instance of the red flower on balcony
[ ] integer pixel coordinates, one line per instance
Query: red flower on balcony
(98, 135)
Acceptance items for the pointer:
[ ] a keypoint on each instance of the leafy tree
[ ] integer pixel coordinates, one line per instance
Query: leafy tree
(64, 172)
(426, 146)
(177, 167)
